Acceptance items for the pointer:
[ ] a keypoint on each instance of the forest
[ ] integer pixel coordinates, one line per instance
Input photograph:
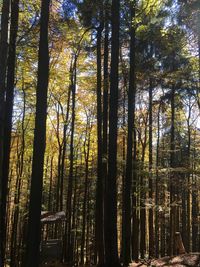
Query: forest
(99, 133)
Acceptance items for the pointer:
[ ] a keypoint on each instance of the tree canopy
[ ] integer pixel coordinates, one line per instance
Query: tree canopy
(99, 120)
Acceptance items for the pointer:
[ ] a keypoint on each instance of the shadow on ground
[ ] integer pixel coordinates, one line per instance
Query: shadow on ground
(185, 260)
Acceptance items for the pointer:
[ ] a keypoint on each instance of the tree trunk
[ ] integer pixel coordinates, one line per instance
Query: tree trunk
(142, 208)
(135, 219)
(172, 165)
(123, 164)
(8, 111)
(64, 148)
(88, 229)
(157, 232)
(3, 64)
(50, 196)
(186, 235)
(151, 217)
(75, 214)
(195, 209)
(111, 247)
(99, 186)
(69, 245)
(126, 246)
(58, 177)
(85, 198)
(105, 112)
(195, 206)
(15, 244)
(34, 225)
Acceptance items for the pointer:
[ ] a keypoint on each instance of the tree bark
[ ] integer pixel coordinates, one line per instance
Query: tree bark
(34, 224)
(157, 232)
(50, 195)
(99, 187)
(3, 64)
(151, 215)
(8, 109)
(85, 199)
(15, 244)
(69, 252)
(111, 247)
(172, 165)
(64, 148)
(126, 246)
(105, 111)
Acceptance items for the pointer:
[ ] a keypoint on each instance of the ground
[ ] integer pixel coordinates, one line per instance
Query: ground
(185, 260)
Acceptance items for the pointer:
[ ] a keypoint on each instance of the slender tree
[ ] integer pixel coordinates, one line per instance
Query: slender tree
(64, 147)
(3, 64)
(157, 232)
(100, 184)
(69, 251)
(172, 165)
(10, 85)
(15, 244)
(33, 237)
(86, 189)
(105, 108)
(129, 158)
(151, 214)
(111, 247)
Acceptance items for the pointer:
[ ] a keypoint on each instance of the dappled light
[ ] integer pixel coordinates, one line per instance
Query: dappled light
(99, 133)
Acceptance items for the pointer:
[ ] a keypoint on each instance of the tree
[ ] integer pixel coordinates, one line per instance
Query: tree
(100, 183)
(8, 109)
(153, 87)
(3, 64)
(111, 247)
(129, 158)
(33, 236)
(69, 251)
(105, 114)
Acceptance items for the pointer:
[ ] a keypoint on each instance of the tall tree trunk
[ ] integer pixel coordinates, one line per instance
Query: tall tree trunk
(142, 206)
(75, 214)
(3, 64)
(64, 148)
(195, 211)
(172, 165)
(85, 198)
(88, 229)
(164, 220)
(187, 232)
(111, 247)
(195, 206)
(99, 186)
(58, 178)
(9, 110)
(105, 111)
(59, 162)
(50, 195)
(157, 232)
(135, 219)
(34, 224)
(126, 246)
(123, 164)
(15, 244)
(69, 245)
(151, 217)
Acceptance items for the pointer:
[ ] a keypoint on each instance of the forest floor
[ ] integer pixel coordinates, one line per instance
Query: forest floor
(185, 260)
